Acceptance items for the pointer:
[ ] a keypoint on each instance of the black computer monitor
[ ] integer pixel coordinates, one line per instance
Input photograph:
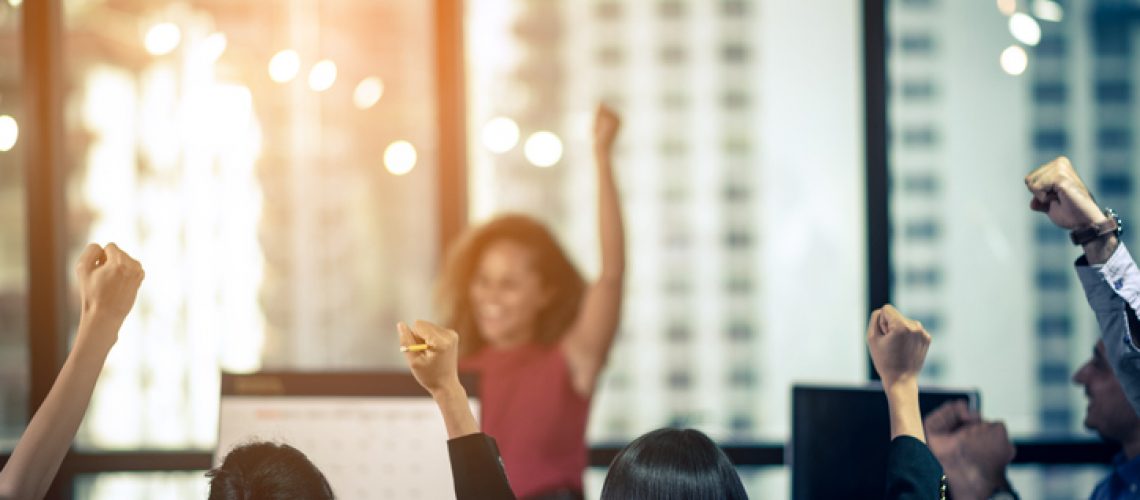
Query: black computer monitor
(841, 435)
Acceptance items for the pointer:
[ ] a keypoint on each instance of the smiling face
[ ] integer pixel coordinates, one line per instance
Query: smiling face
(507, 294)
(1108, 413)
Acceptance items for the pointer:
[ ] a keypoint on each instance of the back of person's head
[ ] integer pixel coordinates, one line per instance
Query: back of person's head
(267, 471)
(672, 464)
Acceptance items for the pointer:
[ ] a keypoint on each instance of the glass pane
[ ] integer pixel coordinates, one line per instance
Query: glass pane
(190, 485)
(739, 172)
(14, 382)
(1055, 482)
(272, 164)
(972, 110)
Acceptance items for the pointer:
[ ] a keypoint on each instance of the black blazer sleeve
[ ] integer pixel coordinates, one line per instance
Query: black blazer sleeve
(477, 468)
(912, 471)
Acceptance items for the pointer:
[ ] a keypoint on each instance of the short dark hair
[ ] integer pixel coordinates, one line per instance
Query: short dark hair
(672, 464)
(267, 471)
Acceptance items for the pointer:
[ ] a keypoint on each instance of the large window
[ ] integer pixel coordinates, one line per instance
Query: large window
(739, 170)
(981, 93)
(281, 170)
(13, 264)
(271, 167)
(272, 164)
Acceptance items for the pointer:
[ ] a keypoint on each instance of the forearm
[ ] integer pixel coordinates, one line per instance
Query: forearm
(1113, 293)
(456, 411)
(45, 442)
(906, 418)
(610, 225)
(1100, 250)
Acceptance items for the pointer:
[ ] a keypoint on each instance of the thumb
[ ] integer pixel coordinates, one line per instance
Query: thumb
(406, 336)
(873, 326)
(432, 334)
(91, 257)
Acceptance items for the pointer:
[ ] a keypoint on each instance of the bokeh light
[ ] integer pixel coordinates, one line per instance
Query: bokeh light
(322, 76)
(400, 157)
(1025, 29)
(9, 132)
(1048, 10)
(1014, 60)
(368, 92)
(500, 134)
(284, 65)
(1007, 7)
(543, 149)
(162, 38)
(214, 46)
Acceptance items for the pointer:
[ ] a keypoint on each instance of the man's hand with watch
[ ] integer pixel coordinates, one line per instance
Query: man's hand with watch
(1059, 192)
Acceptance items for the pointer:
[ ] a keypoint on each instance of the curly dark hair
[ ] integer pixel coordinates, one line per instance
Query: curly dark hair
(550, 261)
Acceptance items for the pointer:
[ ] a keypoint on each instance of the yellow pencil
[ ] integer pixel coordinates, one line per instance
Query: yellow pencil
(415, 348)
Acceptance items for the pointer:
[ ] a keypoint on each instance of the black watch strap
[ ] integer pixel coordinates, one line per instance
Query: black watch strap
(1112, 225)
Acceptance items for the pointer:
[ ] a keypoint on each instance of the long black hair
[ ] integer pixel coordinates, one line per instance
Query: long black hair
(672, 464)
(267, 471)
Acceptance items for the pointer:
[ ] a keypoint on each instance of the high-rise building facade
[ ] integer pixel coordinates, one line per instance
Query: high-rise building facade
(738, 168)
(275, 230)
(992, 280)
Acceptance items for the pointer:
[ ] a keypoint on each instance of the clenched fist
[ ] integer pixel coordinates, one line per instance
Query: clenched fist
(973, 452)
(1059, 192)
(109, 281)
(437, 368)
(898, 345)
(606, 125)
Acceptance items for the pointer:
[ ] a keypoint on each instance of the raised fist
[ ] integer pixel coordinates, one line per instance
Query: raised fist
(436, 368)
(109, 281)
(606, 125)
(1059, 192)
(898, 345)
(973, 452)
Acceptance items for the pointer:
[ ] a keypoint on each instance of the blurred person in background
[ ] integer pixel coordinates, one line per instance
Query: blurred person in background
(537, 335)
(974, 452)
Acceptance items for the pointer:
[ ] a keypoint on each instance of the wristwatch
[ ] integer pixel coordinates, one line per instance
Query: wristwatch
(1110, 225)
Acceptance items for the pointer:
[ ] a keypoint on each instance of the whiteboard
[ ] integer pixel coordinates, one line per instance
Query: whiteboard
(374, 436)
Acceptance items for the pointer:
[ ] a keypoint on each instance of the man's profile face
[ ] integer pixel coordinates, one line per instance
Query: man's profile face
(1108, 412)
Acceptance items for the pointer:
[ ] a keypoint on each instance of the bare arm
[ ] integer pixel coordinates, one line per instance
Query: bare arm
(898, 349)
(109, 280)
(437, 371)
(906, 420)
(587, 345)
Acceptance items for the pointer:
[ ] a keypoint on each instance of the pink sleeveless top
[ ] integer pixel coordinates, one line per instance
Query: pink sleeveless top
(531, 409)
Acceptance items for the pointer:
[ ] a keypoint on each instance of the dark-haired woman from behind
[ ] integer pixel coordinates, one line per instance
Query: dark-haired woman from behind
(268, 471)
(672, 464)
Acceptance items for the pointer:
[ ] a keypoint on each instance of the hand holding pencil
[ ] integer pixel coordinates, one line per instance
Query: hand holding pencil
(433, 355)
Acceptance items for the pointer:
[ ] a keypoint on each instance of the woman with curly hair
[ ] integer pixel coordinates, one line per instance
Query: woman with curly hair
(537, 334)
